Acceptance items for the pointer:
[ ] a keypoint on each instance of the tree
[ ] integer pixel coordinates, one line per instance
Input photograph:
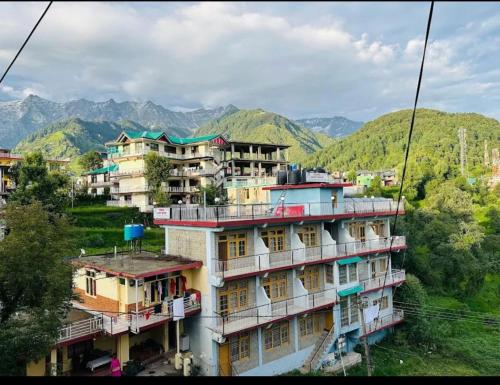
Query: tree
(35, 284)
(91, 160)
(375, 188)
(211, 192)
(35, 183)
(157, 171)
(351, 176)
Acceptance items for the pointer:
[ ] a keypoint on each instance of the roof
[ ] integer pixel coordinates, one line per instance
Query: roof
(154, 135)
(113, 167)
(351, 290)
(348, 261)
(196, 139)
(306, 185)
(137, 265)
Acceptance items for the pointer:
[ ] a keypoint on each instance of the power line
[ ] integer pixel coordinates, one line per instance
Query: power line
(25, 42)
(410, 133)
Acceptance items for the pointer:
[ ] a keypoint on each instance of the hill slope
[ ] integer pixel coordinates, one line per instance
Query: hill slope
(20, 118)
(336, 127)
(267, 127)
(434, 150)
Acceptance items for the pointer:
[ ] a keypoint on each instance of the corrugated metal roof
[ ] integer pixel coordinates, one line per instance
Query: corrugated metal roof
(196, 139)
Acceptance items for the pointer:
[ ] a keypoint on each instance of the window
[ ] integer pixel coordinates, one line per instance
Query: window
(233, 297)
(329, 274)
(90, 288)
(194, 149)
(348, 310)
(93, 178)
(276, 336)
(308, 236)
(348, 273)
(310, 278)
(274, 239)
(275, 286)
(240, 347)
(334, 199)
(153, 146)
(378, 228)
(126, 149)
(232, 246)
(306, 326)
(378, 267)
(384, 303)
(357, 231)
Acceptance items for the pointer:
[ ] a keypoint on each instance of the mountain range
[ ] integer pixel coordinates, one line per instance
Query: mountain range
(336, 127)
(20, 118)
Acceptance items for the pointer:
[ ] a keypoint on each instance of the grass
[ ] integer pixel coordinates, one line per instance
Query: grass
(98, 228)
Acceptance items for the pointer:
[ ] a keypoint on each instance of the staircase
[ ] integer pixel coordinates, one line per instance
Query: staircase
(322, 345)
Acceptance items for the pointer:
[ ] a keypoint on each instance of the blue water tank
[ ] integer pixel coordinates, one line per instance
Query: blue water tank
(132, 232)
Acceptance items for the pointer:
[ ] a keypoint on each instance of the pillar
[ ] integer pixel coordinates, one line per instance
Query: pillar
(53, 362)
(259, 337)
(123, 349)
(278, 154)
(260, 169)
(296, 332)
(165, 337)
(252, 168)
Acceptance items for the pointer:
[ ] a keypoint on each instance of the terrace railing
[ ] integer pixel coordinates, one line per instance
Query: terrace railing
(285, 258)
(384, 321)
(81, 328)
(374, 283)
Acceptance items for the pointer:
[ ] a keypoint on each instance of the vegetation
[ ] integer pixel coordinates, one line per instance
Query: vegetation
(35, 284)
(157, 172)
(267, 127)
(34, 182)
(211, 192)
(91, 160)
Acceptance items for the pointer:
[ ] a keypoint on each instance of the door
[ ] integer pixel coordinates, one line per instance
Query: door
(328, 320)
(374, 269)
(224, 361)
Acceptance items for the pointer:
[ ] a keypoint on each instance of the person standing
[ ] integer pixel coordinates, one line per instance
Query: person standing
(116, 370)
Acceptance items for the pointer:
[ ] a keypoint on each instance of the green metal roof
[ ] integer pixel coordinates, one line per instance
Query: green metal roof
(196, 139)
(351, 290)
(113, 167)
(153, 135)
(347, 261)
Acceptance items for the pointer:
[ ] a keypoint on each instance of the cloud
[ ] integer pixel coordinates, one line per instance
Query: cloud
(208, 54)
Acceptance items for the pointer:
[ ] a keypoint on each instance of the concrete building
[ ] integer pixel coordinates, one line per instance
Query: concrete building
(282, 279)
(365, 178)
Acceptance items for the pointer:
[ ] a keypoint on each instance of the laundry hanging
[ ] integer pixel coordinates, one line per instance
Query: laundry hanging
(183, 283)
(370, 313)
(172, 287)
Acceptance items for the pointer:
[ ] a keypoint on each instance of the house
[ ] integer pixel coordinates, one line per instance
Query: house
(364, 177)
(125, 307)
(281, 280)
(196, 162)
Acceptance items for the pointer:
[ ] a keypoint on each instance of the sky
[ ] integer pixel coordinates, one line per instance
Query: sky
(299, 59)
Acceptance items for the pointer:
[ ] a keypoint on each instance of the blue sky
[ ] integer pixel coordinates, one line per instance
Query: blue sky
(359, 60)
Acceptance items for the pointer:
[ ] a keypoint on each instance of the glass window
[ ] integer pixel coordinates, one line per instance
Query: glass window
(344, 311)
(310, 278)
(153, 146)
(308, 236)
(378, 228)
(342, 274)
(275, 286)
(233, 297)
(240, 347)
(274, 239)
(90, 287)
(329, 273)
(276, 336)
(232, 246)
(353, 276)
(357, 231)
(306, 326)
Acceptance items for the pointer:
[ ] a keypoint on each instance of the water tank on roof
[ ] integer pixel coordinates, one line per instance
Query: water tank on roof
(281, 177)
(133, 232)
(294, 177)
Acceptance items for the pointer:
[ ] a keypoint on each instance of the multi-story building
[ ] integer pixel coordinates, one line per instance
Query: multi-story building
(196, 162)
(365, 178)
(281, 280)
(125, 307)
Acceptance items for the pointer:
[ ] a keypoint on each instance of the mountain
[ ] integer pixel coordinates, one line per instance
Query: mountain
(336, 127)
(20, 118)
(267, 127)
(435, 149)
(73, 137)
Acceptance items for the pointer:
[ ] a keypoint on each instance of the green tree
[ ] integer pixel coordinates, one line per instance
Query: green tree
(35, 284)
(34, 182)
(211, 192)
(375, 188)
(90, 160)
(351, 176)
(157, 172)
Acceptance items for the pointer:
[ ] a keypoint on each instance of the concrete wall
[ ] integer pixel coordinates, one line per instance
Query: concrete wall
(187, 243)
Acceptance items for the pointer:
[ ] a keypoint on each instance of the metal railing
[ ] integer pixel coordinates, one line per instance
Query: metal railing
(285, 210)
(374, 283)
(169, 155)
(227, 323)
(321, 348)
(251, 181)
(81, 328)
(285, 258)
(384, 321)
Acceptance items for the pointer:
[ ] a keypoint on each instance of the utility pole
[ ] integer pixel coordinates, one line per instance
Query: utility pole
(362, 304)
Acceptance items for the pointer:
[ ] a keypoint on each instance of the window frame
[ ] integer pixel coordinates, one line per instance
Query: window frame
(276, 283)
(276, 336)
(308, 276)
(278, 237)
(308, 235)
(90, 283)
(242, 344)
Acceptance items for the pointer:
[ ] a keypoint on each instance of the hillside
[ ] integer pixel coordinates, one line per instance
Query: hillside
(336, 127)
(435, 147)
(267, 127)
(20, 118)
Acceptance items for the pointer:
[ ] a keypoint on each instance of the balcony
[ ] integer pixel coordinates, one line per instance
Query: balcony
(80, 329)
(250, 181)
(190, 172)
(396, 276)
(106, 183)
(385, 321)
(286, 259)
(182, 189)
(265, 211)
(272, 312)
(190, 155)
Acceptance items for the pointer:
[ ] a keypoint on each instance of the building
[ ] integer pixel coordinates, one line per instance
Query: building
(8, 159)
(196, 162)
(365, 178)
(125, 307)
(281, 280)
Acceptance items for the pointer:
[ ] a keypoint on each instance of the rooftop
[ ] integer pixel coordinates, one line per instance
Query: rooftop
(307, 185)
(137, 265)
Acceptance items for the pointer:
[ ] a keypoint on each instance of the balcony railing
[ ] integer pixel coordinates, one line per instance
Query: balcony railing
(182, 189)
(169, 155)
(81, 328)
(193, 172)
(251, 181)
(384, 321)
(101, 184)
(287, 258)
(286, 210)
(274, 311)
(396, 276)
